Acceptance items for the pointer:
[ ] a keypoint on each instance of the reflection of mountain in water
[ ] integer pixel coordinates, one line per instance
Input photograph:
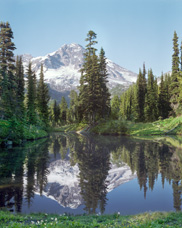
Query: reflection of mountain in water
(63, 182)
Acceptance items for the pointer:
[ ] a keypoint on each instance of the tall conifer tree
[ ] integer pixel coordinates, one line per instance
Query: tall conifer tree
(43, 98)
(105, 95)
(56, 112)
(115, 107)
(163, 101)
(31, 96)
(93, 96)
(174, 87)
(73, 106)
(87, 95)
(151, 108)
(7, 71)
(181, 56)
(20, 87)
(140, 96)
(63, 110)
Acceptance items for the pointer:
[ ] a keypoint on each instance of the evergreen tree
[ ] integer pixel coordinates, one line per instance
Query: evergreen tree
(181, 56)
(31, 95)
(174, 86)
(7, 68)
(140, 96)
(63, 110)
(167, 83)
(93, 96)
(56, 112)
(126, 104)
(43, 98)
(115, 107)
(105, 95)
(20, 110)
(179, 109)
(130, 103)
(163, 101)
(73, 106)
(151, 109)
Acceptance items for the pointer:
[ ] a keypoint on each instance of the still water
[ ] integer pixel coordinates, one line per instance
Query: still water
(78, 174)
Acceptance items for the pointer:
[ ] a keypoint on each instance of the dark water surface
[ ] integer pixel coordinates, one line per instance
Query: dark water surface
(82, 174)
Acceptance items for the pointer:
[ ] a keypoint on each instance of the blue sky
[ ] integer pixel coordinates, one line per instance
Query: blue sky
(130, 31)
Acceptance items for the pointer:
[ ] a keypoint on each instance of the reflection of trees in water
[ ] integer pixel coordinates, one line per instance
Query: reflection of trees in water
(37, 166)
(176, 183)
(149, 158)
(59, 146)
(93, 164)
(11, 178)
(12, 170)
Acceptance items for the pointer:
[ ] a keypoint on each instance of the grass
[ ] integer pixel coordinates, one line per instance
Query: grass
(70, 127)
(170, 126)
(145, 220)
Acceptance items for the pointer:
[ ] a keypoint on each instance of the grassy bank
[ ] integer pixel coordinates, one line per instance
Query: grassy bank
(156, 219)
(71, 127)
(170, 126)
(17, 132)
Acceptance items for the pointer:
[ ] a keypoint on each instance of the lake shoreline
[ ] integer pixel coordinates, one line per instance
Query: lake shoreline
(147, 219)
(166, 127)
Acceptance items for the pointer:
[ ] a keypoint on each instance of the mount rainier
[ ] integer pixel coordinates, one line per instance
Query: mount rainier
(62, 70)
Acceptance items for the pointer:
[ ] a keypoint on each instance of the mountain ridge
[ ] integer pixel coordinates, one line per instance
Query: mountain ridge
(62, 69)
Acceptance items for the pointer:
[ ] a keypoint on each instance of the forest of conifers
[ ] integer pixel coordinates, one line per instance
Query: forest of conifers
(25, 100)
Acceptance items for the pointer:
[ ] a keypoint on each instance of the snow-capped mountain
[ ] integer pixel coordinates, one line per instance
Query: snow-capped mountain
(62, 69)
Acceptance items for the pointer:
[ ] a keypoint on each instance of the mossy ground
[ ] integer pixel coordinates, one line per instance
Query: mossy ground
(156, 219)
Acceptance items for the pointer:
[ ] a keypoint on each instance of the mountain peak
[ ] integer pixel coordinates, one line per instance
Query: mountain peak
(62, 68)
(71, 46)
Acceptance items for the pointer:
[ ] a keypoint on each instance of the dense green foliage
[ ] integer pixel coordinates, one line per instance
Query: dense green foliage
(23, 116)
(16, 131)
(145, 101)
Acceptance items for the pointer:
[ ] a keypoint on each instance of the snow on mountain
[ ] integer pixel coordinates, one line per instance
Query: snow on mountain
(63, 182)
(62, 68)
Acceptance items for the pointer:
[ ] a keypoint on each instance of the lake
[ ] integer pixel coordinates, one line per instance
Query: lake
(78, 174)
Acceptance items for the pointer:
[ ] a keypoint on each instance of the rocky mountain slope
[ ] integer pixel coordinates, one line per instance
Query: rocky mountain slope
(62, 70)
